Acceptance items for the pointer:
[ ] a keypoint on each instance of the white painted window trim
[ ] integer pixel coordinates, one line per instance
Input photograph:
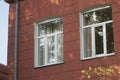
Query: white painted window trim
(50, 20)
(95, 9)
(93, 35)
(36, 37)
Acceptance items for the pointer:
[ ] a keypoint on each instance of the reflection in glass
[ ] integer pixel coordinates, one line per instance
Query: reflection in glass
(99, 39)
(97, 16)
(60, 26)
(110, 38)
(87, 42)
(51, 49)
(50, 42)
(60, 47)
(41, 30)
(41, 51)
(50, 27)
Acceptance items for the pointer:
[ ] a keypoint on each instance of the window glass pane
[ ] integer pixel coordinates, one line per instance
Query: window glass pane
(99, 39)
(50, 42)
(98, 16)
(50, 27)
(51, 49)
(110, 38)
(41, 30)
(60, 47)
(60, 25)
(41, 51)
(87, 42)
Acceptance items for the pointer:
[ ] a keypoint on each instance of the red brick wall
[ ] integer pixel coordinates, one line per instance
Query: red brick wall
(34, 10)
(3, 72)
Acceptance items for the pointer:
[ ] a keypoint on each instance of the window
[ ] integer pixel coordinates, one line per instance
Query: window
(49, 42)
(97, 33)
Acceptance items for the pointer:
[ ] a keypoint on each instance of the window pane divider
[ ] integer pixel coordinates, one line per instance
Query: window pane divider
(93, 41)
(104, 39)
(98, 24)
(55, 52)
(36, 62)
(46, 50)
(52, 34)
(82, 43)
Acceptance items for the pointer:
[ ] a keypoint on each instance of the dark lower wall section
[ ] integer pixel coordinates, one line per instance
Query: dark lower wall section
(3, 72)
(11, 1)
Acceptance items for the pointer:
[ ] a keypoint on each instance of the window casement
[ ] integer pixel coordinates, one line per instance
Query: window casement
(96, 33)
(49, 42)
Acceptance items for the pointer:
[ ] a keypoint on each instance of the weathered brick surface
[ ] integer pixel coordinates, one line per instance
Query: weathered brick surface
(31, 11)
(3, 72)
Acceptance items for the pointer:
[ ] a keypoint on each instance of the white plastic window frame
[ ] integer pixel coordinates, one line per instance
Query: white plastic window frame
(93, 35)
(36, 37)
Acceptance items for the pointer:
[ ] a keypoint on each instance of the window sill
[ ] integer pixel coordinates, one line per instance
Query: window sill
(52, 64)
(98, 56)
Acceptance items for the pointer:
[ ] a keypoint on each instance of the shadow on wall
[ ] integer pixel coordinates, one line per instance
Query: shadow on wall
(3, 72)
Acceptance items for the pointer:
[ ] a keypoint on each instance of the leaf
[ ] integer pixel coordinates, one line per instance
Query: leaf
(83, 71)
(88, 76)
(90, 68)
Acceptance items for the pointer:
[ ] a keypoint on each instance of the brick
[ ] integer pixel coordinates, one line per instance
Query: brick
(72, 55)
(54, 10)
(116, 8)
(26, 37)
(12, 13)
(71, 27)
(42, 12)
(116, 37)
(77, 75)
(28, 64)
(26, 20)
(109, 1)
(67, 19)
(70, 46)
(3, 72)
(22, 54)
(115, 17)
(26, 29)
(71, 36)
(101, 2)
(61, 7)
(55, 69)
(90, 3)
(116, 27)
(68, 2)
(49, 11)
(26, 46)
(11, 32)
(116, 1)
(81, 4)
(31, 12)
(62, 76)
(69, 9)
(3, 77)
(26, 11)
(71, 65)
(3, 69)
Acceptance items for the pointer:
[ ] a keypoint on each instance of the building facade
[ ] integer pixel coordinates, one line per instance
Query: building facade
(59, 38)
(3, 72)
